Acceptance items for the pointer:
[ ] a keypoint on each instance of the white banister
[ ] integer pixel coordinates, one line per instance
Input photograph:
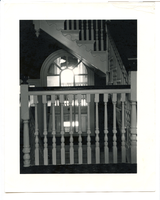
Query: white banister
(97, 130)
(85, 91)
(70, 98)
(62, 131)
(88, 100)
(36, 133)
(45, 151)
(25, 118)
(79, 96)
(114, 100)
(53, 99)
(123, 144)
(106, 150)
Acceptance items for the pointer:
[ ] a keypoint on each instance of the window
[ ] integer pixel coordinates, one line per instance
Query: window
(67, 71)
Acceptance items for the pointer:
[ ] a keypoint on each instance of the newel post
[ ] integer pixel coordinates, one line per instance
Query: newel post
(133, 116)
(25, 118)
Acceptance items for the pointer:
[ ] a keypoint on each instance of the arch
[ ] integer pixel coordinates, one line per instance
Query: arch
(46, 64)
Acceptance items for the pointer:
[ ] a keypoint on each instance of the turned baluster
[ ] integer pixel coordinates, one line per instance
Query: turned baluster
(25, 118)
(53, 99)
(123, 144)
(67, 24)
(87, 30)
(45, 151)
(62, 131)
(88, 100)
(79, 96)
(114, 100)
(92, 30)
(97, 38)
(36, 133)
(97, 130)
(70, 98)
(82, 30)
(106, 150)
(102, 39)
(72, 24)
(77, 24)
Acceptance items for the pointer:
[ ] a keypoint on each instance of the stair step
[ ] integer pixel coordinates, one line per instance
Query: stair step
(71, 34)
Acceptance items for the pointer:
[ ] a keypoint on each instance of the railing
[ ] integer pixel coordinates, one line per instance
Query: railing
(93, 149)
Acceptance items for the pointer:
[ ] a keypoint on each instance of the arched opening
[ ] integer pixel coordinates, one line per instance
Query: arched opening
(62, 69)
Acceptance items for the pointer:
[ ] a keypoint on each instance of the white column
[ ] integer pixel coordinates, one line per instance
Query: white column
(36, 133)
(133, 117)
(114, 100)
(88, 100)
(97, 130)
(70, 97)
(106, 150)
(53, 98)
(25, 118)
(62, 131)
(45, 151)
(123, 143)
(79, 96)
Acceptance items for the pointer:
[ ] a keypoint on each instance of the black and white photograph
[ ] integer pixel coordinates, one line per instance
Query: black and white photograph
(79, 100)
(78, 96)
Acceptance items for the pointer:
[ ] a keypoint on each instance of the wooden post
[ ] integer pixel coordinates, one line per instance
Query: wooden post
(106, 150)
(70, 97)
(114, 100)
(97, 130)
(133, 117)
(79, 130)
(25, 118)
(36, 133)
(123, 144)
(88, 130)
(62, 131)
(45, 151)
(53, 98)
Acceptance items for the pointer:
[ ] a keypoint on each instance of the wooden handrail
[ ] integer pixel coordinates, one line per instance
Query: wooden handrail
(80, 90)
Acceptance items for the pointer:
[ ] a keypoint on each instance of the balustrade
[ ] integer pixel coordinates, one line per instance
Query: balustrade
(94, 151)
